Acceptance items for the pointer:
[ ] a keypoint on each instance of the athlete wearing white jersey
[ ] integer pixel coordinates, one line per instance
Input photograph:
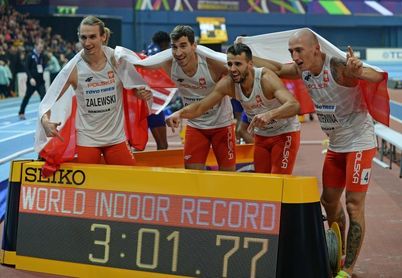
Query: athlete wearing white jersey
(333, 86)
(100, 107)
(269, 105)
(100, 116)
(197, 87)
(195, 77)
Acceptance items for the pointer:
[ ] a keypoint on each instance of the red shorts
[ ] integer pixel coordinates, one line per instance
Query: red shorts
(198, 142)
(119, 154)
(276, 154)
(351, 170)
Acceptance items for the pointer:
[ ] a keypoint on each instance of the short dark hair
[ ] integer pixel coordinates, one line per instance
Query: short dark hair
(160, 37)
(239, 48)
(182, 31)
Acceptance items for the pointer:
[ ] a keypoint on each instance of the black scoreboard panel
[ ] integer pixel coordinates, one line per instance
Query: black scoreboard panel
(170, 250)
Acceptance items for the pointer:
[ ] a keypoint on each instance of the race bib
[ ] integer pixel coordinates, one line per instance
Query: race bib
(39, 68)
(327, 117)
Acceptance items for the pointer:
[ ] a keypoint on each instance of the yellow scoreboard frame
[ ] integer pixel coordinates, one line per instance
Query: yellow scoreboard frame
(116, 221)
(213, 29)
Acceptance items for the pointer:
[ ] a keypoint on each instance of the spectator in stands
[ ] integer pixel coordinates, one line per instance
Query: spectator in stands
(13, 58)
(4, 79)
(34, 68)
(53, 65)
(156, 122)
(18, 32)
(63, 60)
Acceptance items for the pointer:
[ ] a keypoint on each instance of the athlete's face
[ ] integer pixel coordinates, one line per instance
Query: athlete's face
(303, 52)
(239, 67)
(91, 39)
(183, 51)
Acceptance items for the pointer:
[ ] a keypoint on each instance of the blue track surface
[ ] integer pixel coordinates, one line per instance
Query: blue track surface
(15, 136)
(394, 69)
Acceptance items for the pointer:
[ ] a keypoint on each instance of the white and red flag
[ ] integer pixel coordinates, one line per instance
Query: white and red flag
(274, 46)
(63, 110)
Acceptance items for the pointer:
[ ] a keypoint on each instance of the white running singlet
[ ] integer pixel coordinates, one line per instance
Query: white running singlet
(257, 103)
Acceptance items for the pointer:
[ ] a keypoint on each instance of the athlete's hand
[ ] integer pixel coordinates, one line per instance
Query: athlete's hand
(51, 128)
(239, 39)
(173, 120)
(354, 66)
(259, 121)
(144, 93)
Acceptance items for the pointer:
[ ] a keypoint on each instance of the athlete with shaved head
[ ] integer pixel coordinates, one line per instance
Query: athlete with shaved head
(333, 84)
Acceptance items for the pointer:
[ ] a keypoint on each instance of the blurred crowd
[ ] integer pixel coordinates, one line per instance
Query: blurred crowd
(18, 35)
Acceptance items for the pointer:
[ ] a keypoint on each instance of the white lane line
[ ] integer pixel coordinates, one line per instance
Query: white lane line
(14, 115)
(15, 155)
(25, 122)
(396, 119)
(16, 136)
(12, 131)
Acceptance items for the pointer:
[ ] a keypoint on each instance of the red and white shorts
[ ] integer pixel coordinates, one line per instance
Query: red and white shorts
(351, 170)
(118, 154)
(198, 142)
(276, 154)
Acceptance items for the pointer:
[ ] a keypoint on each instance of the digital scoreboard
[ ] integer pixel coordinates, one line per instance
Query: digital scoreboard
(117, 221)
(212, 30)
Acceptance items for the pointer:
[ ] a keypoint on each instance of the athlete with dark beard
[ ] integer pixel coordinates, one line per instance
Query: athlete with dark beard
(270, 107)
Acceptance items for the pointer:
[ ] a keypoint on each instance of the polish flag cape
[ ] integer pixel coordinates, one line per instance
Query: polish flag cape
(55, 151)
(274, 46)
(295, 86)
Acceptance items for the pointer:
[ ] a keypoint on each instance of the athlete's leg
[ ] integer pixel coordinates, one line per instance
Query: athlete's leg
(159, 134)
(119, 154)
(262, 154)
(157, 125)
(357, 180)
(224, 145)
(91, 155)
(242, 129)
(237, 112)
(41, 91)
(196, 148)
(30, 90)
(355, 203)
(333, 176)
(284, 152)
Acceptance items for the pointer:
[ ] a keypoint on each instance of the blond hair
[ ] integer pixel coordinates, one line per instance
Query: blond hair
(92, 21)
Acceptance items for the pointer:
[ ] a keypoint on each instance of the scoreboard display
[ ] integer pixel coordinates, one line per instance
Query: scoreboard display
(117, 221)
(212, 30)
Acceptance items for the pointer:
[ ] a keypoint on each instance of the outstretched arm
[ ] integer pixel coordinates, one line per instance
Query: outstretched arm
(355, 69)
(288, 71)
(196, 109)
(273, 87)
(51, 127)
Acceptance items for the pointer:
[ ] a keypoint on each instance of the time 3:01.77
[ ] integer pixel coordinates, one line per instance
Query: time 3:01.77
(232, 244)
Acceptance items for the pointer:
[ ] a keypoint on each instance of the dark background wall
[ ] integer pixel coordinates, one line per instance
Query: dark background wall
(365, 31)
(136, 27)
(67, 26)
